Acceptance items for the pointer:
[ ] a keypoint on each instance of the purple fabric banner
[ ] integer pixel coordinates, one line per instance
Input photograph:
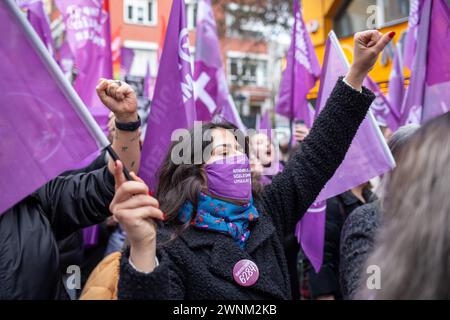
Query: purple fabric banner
(436, 99)
(369, 155)
(173, 104)
(90, 236)
(265, 123)
(384, 114)
(148, 83)
(41, 133)
(39, 20)
(397, 83)
(89, 37)
(428, 95)
(212, 97)
(310, 232)
(126, 60)
(66, 60)
(415, 13)
(300, 75)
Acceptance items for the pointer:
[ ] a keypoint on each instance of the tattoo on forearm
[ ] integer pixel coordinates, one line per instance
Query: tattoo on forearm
(124, 149)
(132, 164)
(135, 138)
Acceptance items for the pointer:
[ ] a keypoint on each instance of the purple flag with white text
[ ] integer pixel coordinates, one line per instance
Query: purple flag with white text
(212, 97)
(428, 94)
(384, 114)
(42, 135)
(88, 35)
(369, 155)
(173, 104)
(300, 75)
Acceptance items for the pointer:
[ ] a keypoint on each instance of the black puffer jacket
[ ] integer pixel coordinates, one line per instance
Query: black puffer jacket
(29, 259)
(198, 264)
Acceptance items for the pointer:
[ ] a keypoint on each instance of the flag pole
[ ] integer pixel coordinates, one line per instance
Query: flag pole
(66, 87)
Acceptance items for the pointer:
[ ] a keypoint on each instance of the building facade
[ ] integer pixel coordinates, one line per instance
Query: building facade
(141, 24)
(346, 17)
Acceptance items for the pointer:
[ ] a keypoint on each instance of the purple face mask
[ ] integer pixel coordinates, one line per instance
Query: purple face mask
(230, 178)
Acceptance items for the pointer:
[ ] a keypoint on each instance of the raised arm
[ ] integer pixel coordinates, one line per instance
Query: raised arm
(121, 99)
(80, 200)
(293, 191)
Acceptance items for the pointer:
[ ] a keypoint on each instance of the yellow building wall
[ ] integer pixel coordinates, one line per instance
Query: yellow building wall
(323, 11)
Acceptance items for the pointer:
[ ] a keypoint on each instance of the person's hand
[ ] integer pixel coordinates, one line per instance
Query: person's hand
(367, 47)
(136, 210)
(301, 132)
(120, 98)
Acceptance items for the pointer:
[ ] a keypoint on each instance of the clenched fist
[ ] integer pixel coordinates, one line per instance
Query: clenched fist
(120, 98)
(367, 47)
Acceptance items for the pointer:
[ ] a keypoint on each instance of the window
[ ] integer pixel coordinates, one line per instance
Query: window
(247, 71)
(191, 13)
(140, 12)
(352, 17)
(395, 10)
(358, 15)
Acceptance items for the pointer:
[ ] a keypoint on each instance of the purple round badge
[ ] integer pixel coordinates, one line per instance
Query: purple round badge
(246, 273)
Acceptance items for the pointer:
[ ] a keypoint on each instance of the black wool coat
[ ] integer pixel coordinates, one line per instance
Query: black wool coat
(357, 242)
(198, 264)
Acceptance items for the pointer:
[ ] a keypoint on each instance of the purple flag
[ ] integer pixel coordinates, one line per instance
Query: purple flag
(89, 37)
(148, 83)
(415, 12)
(39, 20)
(301, 74)
(428, 94)
(229, 113)
(173, 104)
(212, 97)
(126, 60)
(397, 83)
(265, 122)
(381, 108)
(310, 232)
(368, 156)
(436, 100)
(66, 61)
(41, 132)
(90, 235)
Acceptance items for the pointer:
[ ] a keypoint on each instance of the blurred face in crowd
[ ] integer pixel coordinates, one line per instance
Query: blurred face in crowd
(262, 149)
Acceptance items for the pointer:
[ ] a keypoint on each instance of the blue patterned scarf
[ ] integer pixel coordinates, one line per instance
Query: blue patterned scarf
(221, 216)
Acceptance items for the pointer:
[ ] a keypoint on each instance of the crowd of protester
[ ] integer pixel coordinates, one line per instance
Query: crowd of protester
(184, 241)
